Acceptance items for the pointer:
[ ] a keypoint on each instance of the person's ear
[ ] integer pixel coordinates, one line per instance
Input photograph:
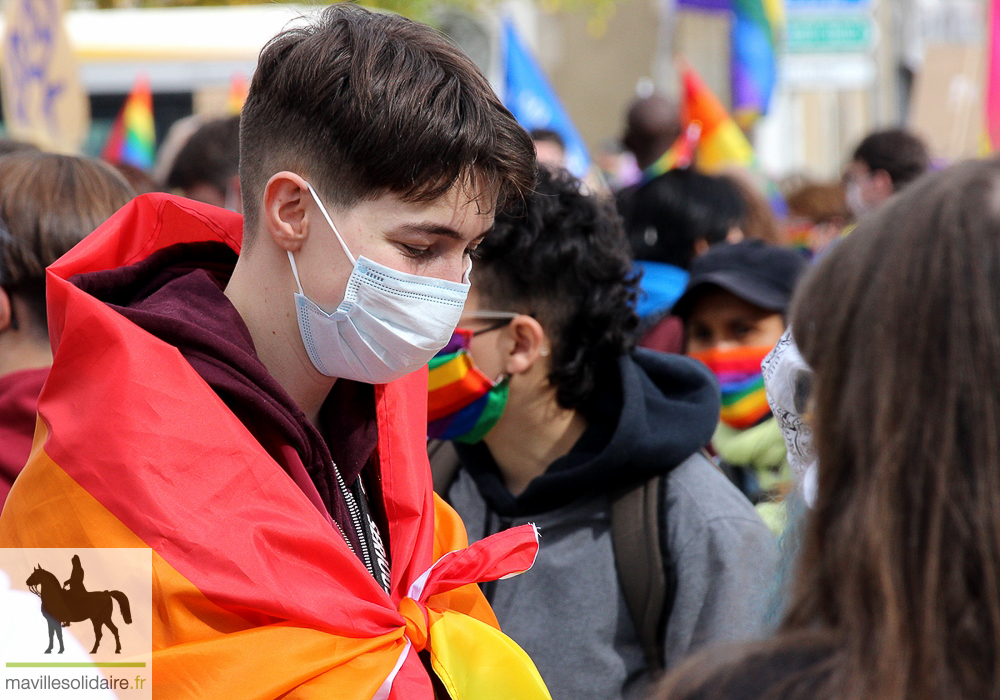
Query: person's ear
(527, 343)
(6, 315)
(882, 183)
(701, 247)
(286, 201)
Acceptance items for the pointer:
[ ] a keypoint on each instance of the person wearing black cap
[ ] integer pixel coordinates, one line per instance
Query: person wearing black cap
(733, 313)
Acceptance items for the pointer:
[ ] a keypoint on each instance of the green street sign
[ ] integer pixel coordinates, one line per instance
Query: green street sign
(828, 33)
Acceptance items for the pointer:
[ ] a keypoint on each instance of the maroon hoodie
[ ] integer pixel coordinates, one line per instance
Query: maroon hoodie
(18, 405)
(177, 295)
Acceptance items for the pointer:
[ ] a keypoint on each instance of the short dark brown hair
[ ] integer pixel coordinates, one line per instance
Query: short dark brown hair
(49, 203)
(210, 156)
(366, 103)
(896, 151)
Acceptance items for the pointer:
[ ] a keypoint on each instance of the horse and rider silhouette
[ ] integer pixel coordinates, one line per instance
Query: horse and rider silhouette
(73, 603)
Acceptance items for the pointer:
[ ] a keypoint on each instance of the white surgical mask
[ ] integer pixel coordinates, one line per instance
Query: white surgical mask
(389, 324)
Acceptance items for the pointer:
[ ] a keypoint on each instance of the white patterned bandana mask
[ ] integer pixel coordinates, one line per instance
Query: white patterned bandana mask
(389, 324)
(787, 384)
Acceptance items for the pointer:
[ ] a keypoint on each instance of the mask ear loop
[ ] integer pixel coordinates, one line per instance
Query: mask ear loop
(330, 221)
(295, 271)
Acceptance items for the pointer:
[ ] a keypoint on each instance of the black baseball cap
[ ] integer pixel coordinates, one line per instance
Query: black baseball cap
(761, 274)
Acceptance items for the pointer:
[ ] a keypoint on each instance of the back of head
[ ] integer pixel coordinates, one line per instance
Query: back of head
(561, 257)
(896, 151)
(652, 124)
(49, 203)
(211, 156)
(819, 202)
(674, 211)
(758, 221)
(363, 104)
(902, 555)
(548, 136)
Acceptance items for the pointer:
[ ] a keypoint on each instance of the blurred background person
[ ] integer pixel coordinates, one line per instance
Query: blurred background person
(550, 148)
(652, 125)
(49, 203)
(759, 222)
(883, 163)
(895, 595)
(674, 218)
(206, 167)
(733, 312)
(817, 216)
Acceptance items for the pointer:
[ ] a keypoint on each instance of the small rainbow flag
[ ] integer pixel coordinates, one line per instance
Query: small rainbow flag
(237, 93)
(722, 143)
(132, 139)
(680, 155)
(754, 62)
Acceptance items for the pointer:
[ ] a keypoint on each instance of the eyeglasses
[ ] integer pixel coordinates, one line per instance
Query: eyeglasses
(500, 318)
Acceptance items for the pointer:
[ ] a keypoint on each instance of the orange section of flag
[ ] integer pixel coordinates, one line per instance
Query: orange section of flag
(722, 143)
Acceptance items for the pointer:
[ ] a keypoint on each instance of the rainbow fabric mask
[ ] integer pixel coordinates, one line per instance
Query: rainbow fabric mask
(741, 382)
(463, 404)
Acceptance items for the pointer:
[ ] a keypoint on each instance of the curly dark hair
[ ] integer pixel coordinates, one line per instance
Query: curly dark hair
(562, 257)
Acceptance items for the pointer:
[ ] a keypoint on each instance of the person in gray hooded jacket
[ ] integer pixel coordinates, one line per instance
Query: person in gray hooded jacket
(553, 413)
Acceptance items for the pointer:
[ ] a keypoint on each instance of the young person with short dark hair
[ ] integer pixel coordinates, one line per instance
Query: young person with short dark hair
(882, 164)
(554, 416)
(207, 167)
(254, 413)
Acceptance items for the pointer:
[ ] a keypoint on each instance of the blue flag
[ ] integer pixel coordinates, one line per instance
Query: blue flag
(534, 103)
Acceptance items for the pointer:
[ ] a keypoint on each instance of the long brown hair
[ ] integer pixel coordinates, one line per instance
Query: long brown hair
(900, 564)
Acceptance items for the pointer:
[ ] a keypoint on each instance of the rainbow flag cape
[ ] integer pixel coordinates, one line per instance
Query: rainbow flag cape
(993, 79)
(255, 594)
(722, 143)
(132, 138)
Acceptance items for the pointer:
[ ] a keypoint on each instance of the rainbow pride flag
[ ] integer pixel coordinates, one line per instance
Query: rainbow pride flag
(237, 93)
(754, 57)
(132, 139)
(256, 595)
(722, 143)
(679, 155)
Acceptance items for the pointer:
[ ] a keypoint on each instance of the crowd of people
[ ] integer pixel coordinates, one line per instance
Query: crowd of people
(364, 352)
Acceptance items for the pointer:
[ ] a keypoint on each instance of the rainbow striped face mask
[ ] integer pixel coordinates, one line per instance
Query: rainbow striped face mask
(463, 404)
(741, 381)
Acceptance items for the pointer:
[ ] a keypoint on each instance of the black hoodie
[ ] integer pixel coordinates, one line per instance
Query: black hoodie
(642, 420)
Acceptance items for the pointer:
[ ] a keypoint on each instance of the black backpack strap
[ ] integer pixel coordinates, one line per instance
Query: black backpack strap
(444, 464)
(641, 564)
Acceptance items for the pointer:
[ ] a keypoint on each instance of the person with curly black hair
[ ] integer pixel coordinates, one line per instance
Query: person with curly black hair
(554, 415)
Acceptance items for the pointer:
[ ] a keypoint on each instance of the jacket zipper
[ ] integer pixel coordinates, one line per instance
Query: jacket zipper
(355, 512)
